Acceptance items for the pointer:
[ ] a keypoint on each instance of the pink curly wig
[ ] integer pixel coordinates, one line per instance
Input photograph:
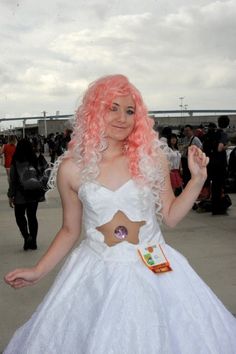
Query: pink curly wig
(88, 139)
(90, 124)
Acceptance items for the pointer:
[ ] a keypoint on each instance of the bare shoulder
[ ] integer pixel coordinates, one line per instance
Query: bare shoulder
(69, 174)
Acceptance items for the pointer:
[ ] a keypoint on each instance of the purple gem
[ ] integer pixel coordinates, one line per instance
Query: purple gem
(121, 232)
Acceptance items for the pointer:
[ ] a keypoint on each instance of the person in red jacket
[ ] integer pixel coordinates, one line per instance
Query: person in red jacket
(8, 151)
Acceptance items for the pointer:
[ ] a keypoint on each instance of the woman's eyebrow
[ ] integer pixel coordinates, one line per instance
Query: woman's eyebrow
(117, 104)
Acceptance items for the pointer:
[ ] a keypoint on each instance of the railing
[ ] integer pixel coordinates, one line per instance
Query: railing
(157, 112)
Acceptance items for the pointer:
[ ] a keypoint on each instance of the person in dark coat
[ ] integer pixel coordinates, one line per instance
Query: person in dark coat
(214, 145)
(25, 203)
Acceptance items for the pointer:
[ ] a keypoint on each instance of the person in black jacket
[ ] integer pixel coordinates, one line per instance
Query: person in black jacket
(214, 145)
(25, 203)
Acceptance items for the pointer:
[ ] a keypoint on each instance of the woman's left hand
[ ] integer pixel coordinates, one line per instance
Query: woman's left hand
(11, 202)
(197, 162)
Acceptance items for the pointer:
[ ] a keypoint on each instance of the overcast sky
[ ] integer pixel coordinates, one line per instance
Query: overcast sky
(51, 50)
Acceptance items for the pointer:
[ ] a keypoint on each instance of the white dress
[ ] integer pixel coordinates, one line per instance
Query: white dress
(175, 159)
(106, 301)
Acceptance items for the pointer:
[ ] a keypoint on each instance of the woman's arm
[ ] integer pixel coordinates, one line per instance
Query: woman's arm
(64, 239)
(12, 185)
(2, 149)
(175, 208)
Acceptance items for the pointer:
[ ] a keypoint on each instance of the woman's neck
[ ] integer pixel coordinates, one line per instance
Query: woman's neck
(114, 149)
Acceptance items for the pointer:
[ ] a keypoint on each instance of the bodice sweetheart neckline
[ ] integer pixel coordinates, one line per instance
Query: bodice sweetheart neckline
(95, 182)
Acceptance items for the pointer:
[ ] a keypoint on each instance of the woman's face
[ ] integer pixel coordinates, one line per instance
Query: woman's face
(173, 141)
(120, 118)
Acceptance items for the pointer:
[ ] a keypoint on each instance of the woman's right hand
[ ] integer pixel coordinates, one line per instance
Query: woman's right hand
(22, 277)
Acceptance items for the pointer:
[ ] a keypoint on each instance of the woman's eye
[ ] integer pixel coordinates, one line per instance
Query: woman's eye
(114, 108)
(130, 112)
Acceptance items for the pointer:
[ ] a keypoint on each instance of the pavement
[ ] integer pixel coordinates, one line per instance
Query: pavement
(209, 243)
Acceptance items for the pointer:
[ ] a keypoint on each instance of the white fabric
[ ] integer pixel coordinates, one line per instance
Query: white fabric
(106, 301)
(175, 159)
(100, 205)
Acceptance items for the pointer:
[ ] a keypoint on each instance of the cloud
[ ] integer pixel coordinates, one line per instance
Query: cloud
(52, 50)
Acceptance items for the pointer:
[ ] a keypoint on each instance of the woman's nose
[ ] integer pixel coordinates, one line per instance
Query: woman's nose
(122, 116)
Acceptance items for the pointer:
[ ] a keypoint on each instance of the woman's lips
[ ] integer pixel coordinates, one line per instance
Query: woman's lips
(116, 126)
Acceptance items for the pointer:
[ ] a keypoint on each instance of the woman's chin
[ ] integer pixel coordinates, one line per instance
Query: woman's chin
(117, 137)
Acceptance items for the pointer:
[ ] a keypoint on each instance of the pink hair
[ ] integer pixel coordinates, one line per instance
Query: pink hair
(90, 117)
(88, 139)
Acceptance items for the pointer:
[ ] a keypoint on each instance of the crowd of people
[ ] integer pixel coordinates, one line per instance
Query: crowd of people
(213, 141)
(54, 144)
(26, 169)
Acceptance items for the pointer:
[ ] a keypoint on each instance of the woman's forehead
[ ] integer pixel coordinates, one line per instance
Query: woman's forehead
(124, 100)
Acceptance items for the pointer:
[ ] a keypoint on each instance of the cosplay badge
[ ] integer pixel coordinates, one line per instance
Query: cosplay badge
(154, 258)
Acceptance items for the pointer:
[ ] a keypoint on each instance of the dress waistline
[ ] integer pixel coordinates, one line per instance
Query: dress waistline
(123, 251)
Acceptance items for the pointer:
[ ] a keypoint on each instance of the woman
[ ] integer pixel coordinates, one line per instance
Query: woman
(8, 151)
(24, 202)
(175, 165)
(105, 299)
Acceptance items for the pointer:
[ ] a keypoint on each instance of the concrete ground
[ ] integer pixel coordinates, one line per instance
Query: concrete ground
(209, 242)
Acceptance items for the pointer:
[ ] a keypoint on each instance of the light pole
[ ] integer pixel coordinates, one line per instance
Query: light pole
(181, 104)
(45, 124)
(24, 128)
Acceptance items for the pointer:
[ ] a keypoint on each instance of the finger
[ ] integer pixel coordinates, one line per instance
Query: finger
(193, 149)
(21, 284)
(18, 285)
(19, 281)
(17, 273)
(205, 161)
(194, 152)
(202, 157)
(9, 282)
(14, 282)
(9, 277)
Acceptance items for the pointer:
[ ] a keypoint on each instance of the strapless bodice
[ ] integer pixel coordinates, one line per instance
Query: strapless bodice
(100, 204)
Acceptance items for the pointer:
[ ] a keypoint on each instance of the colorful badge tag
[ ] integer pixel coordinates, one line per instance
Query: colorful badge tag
(154, 258)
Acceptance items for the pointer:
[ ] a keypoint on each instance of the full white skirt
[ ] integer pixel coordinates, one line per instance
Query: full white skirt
(114, 304)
